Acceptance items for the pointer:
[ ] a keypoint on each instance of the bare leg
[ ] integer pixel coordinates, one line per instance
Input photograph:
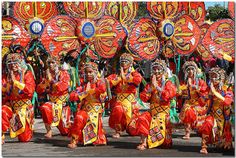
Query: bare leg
(187, 131)
(3, 138)
(204, 144)
(143, 144)
(49, 131)
(73, 143)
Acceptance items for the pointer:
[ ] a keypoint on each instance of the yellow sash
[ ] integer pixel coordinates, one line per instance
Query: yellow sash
(20, 116)
(157, 131)
(57, 104)
(126, 99)
(90, 131)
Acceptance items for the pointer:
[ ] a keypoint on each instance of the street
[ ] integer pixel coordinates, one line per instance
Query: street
(123, 147)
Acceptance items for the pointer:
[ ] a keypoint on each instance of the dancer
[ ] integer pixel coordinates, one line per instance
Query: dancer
(217, 126)
(17, 89)
(154, 125)
(87, 127)
(55, 113)
(125, 87)
(194, 109)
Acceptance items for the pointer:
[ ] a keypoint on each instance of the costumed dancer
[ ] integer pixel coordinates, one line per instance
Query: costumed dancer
(18, 87)
(195, 105)
(216, 128)
(125, 87)
(55, 113)
(154, 125)
(87, 127)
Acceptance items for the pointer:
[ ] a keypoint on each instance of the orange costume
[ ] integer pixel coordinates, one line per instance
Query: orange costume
(125, 90)
(155, 123)
(17, 109)
(87, 127)
(216, 128)
(55, 112)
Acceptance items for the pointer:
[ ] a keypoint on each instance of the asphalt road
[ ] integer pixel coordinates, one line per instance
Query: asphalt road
(123, 147)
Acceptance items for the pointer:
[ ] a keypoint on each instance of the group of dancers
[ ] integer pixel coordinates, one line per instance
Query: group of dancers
(206, 108)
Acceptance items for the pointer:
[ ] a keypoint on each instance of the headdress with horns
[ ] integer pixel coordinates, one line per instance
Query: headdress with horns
(126, 57)
(160, 63)
(221, 75)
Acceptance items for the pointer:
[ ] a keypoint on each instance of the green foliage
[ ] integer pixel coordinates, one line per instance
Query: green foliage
(217, 12)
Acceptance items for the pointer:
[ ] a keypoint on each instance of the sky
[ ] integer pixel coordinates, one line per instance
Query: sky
(208, 4)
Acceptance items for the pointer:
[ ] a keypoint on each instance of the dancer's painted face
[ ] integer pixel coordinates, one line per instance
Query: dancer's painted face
(158, 71)
(125, 64)
(52, 65)
(214, 79)
(14, 67)
(89, 74)
(190, 71)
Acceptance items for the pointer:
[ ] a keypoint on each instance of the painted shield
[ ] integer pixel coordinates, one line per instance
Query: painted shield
(143, 40)
(202, 51)
(13, 32)
(186, 35)
(109, 37)
(125, 12)
(231, 9)
(86, 30)
(25, 11)
(168, 49)
(219, 39)
(59, 35)
(164, 10)
(92, 10)
(195, 10)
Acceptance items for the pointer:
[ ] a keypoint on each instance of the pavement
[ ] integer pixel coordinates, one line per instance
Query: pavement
(123, 147)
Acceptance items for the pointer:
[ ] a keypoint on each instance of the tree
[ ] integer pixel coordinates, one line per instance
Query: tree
(217, 12)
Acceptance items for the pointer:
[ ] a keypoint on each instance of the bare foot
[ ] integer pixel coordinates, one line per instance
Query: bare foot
(186, 137)
(116, 135)
(48, 134)
(203, 151)
(3, 139)
(72, 145)
(142, 147)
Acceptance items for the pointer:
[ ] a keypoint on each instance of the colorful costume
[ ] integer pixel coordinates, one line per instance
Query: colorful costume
(216, 128)
(56, 113)
(194, 109)
(155, 124)
(87, 127)
(125, 93)
(17, 109)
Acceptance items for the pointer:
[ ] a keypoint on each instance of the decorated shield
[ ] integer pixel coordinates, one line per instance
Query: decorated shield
(91, 10)
(231, 9)
(13, 32)
(59, 35)
(125, 12)
(164, 10)
(202, 51)
(143, 40)
(109, 36)
(195, 10)
(219, 39)
(186, 35)
(35, 14)
(86, 30)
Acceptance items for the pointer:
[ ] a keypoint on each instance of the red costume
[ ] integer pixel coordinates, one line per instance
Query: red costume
(17, 109)
(55, 112)
(125, 104)
(87, 127)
